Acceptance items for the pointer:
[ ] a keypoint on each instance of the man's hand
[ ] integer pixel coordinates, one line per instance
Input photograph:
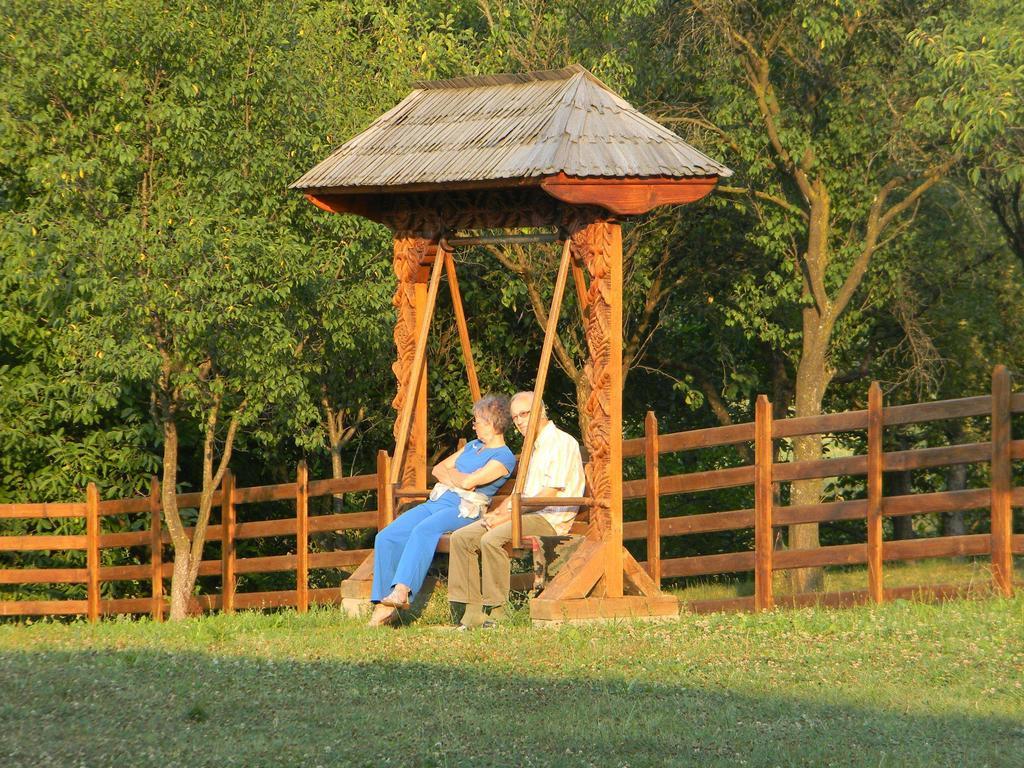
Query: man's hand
(497, 516)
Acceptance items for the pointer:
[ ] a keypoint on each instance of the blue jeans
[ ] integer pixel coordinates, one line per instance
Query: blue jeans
(403, 550)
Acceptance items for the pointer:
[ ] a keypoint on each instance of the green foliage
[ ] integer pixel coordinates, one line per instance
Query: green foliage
(150, 248)
(157, 269)
(839, 83)
(146, 217)
(977, 52)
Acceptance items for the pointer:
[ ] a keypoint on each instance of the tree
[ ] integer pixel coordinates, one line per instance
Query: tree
(811, 104)
(977, 52)
(144, 174)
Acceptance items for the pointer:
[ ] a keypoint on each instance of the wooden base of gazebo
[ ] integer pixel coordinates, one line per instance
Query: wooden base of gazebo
(580, 592)
(555, 150)
(576, 594)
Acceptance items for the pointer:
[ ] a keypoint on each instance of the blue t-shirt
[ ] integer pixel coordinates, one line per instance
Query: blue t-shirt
(475, 455)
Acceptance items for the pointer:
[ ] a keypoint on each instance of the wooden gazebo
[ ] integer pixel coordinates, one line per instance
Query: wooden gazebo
(554, 150)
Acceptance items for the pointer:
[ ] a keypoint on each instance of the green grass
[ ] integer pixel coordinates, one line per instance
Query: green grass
(913, 573)
(904, 684)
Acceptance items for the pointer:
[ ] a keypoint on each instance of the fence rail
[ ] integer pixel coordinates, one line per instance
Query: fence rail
(227, 533)
(763, 475)
(999, 452)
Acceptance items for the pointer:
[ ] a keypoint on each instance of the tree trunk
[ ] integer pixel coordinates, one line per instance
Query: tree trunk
(813, 374)
(812, 378)
(181, 585)
(181, 589)
(188, 550)
(902, 484)
(956, 480)
(334, 436)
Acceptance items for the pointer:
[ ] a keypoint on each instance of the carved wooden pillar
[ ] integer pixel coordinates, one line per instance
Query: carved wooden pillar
(412, 251)
(597, 242)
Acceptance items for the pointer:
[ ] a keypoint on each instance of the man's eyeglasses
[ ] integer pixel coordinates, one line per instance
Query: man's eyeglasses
(521, 414)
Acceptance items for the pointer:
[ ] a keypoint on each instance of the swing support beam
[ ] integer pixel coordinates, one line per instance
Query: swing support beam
(538, 393)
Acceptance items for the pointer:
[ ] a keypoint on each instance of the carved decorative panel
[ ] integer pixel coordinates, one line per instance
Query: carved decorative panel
(410, 252)
(591, 244)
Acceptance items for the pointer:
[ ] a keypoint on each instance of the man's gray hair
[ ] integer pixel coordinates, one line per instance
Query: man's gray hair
(494, 409)
(529, 394)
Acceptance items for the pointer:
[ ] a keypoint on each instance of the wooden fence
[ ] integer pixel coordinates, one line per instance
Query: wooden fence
(1001, 544)
(227, 534)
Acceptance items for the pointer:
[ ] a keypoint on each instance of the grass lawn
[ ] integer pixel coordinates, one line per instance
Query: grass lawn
(905, 684)
(912, 573)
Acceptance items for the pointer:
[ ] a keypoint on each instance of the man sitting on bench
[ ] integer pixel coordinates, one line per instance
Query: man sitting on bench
(479, 567)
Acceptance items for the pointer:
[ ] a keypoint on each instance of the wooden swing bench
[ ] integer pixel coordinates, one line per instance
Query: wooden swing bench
(355, 590)
(600, 579)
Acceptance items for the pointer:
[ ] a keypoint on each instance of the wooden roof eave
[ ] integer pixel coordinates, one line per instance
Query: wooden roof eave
(627, 196)
(378, 203)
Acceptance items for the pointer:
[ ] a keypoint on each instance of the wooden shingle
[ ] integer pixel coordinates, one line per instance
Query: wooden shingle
(494, 128)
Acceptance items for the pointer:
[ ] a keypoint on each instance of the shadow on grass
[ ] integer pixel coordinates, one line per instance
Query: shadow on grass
(145, 708)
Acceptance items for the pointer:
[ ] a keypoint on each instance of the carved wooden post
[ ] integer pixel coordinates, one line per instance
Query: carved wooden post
(598, 244)
(410, 254)
(763, 498)
(418, 438)
(156, 551)
(875, 469)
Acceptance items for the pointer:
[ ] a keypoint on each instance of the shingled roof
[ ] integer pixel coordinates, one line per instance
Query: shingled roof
(503, 127)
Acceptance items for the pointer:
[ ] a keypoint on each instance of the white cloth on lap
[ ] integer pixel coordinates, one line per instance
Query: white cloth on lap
(471, 504)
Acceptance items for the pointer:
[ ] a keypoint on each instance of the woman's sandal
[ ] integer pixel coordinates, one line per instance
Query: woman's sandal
(394, 602)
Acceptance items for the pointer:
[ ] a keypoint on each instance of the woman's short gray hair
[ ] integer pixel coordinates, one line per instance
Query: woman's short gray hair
(494, 410)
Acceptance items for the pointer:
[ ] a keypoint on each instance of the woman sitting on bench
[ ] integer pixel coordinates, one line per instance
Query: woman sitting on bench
(466, 483)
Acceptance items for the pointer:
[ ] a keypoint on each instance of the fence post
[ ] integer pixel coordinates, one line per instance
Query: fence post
(302, 539)
(156, 552)
(763, 543)
(385, 507)
(227, 543)
(653, 497)
(1002, 510)
(874, 516)
(92, 550)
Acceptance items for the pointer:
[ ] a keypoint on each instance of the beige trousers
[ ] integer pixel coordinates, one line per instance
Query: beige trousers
(479, 568)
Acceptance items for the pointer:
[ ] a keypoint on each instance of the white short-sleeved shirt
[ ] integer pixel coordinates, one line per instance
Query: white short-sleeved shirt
(556, 463)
